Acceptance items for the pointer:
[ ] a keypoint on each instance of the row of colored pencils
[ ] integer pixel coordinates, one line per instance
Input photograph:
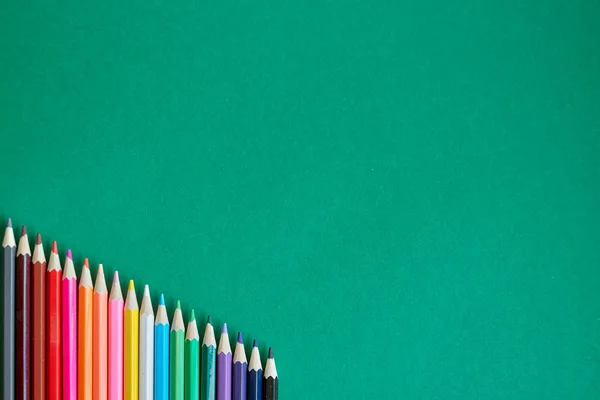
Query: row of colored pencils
(66, 342)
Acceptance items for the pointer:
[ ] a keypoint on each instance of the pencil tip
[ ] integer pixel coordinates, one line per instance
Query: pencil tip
(131, 287)
(178, 305)
(224, 330)
(161, 300)
(240, 338)
(270, 352)
(69, 254)
(54, 247)
(38, 239)
(209, 320)
(23, 230)
(255, 343)
(9, 223)
(146, 290)
(100, 268)
(86, 263)
(116, 276)
(192, 315)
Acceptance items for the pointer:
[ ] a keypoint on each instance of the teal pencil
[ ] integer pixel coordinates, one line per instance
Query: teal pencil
(161, 352)
(208, 365)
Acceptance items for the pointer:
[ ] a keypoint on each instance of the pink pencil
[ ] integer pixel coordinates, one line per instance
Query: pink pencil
(69, 329)
(115, 341)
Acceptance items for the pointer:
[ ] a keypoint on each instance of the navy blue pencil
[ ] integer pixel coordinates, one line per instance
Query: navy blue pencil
(240, 370)
(255, 375)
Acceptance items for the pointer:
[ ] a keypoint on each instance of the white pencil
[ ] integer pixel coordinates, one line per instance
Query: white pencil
(146, 347)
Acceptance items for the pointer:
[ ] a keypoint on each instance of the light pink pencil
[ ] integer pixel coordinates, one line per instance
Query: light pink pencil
(69, 329)
(115, 341)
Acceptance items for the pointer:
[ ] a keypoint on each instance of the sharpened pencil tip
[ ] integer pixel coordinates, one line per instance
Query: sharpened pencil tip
(270, 352)
(240, 338)
(86, 263)
(9, 223)
(192, 315)
(69, 254)
(146, 290)
(38, 239)
(209, 320)
(131, 286)
(161, 300)
(23, 230)
(54, 247)
(116, 276)
(224, 330)
(255, 343)
(178, 305)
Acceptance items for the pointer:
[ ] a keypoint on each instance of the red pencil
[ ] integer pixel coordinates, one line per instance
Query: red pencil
(53, 327)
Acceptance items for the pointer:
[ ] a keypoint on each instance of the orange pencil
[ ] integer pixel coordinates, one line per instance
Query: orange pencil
(84, 356)
(100, 336)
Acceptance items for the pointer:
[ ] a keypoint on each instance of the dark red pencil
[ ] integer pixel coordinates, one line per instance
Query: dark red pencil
(53, 327)
(38, 321)
(22, 334)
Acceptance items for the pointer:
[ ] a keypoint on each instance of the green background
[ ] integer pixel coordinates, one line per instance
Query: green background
(402, 198)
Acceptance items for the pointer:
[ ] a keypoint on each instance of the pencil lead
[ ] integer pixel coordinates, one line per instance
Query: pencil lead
(86, 263)
(131, 286)
(9, 223)
(270, 353)
(38, 239)
(69, 254)
(161, 300)
(209, 321)
(178, 305)
(224, 330)
(240, 339)
(255, 343)
(146, 290)
(54, 247)
(23, 230)
(192, 315)
(116, 276)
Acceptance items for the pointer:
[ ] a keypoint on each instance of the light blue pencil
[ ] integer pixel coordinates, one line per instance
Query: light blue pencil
(161, 352)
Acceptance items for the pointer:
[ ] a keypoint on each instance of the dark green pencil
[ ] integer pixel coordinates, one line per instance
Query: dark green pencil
(208, 365)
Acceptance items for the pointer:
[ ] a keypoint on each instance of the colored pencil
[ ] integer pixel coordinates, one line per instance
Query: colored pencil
(224, 364)
(53, 327)
(271, 381)
(69, 329)
(23, 316)
(146, 347)
(177, 355)
(85, 332)
(38, 321)
(131, 349)
(161, 352)
(9, 248)
(208, 364)
(192, 360)
(255, 374)
(115, 341)
(100, 338)
(240, 369)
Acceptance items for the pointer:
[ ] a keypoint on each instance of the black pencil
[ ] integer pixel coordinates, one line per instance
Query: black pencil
(270, 379)
(9, 248)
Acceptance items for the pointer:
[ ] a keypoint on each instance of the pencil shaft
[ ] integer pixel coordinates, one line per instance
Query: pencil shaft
(115, 349)
(131, 355)
(147, 357)
(255, 385)
(271, 388)
(177, 365)
(240, 370)
(69, 338)
(100, 347)
(22, 333)
(85, 346)
(224, 364)
(208, 373)
(161, 362)
(192, 369)
(8, 357)
(53, 332)
(38, 331)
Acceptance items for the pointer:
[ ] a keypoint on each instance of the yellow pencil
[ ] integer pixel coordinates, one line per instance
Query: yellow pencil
(132, 323)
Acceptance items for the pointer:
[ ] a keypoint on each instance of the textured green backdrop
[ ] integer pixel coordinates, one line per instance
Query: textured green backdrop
(402, 199)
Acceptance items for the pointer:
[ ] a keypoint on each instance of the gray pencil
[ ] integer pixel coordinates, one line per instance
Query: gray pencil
(9, 248)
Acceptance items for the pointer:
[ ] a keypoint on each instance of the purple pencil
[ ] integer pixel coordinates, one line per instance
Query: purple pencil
(224, 364)
(240, 369)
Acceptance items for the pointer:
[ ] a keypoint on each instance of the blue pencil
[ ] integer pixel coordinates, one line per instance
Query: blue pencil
(255, 375)
(240, 370)
(161, 352)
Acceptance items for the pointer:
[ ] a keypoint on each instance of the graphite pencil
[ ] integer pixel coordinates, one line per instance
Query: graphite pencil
(23, 309)
(146, 347)
(161, 352)
(85, 331)
(271, 381)
(255, 374)
(131, 348)
(224, 366)
(100, 338)
(208, 363)
(115, 340)
(53, 327)
(9, 248)
(240, 370)
(192, 360)
(69, 329)
(38, 321)
(177, 355)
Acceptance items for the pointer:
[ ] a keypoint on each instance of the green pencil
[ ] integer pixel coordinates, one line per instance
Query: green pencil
(209, 354)
(177, 358)
(192, 360)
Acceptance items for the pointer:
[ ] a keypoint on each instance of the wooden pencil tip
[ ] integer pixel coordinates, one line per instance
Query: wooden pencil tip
(38, 239)
(23, 230)
(146, 290)
(54, 247)
(270, 352)
(116, 276)
(86, 263)
(9, 223)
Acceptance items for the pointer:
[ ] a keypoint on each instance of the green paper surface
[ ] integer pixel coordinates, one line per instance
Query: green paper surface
(402, 198)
